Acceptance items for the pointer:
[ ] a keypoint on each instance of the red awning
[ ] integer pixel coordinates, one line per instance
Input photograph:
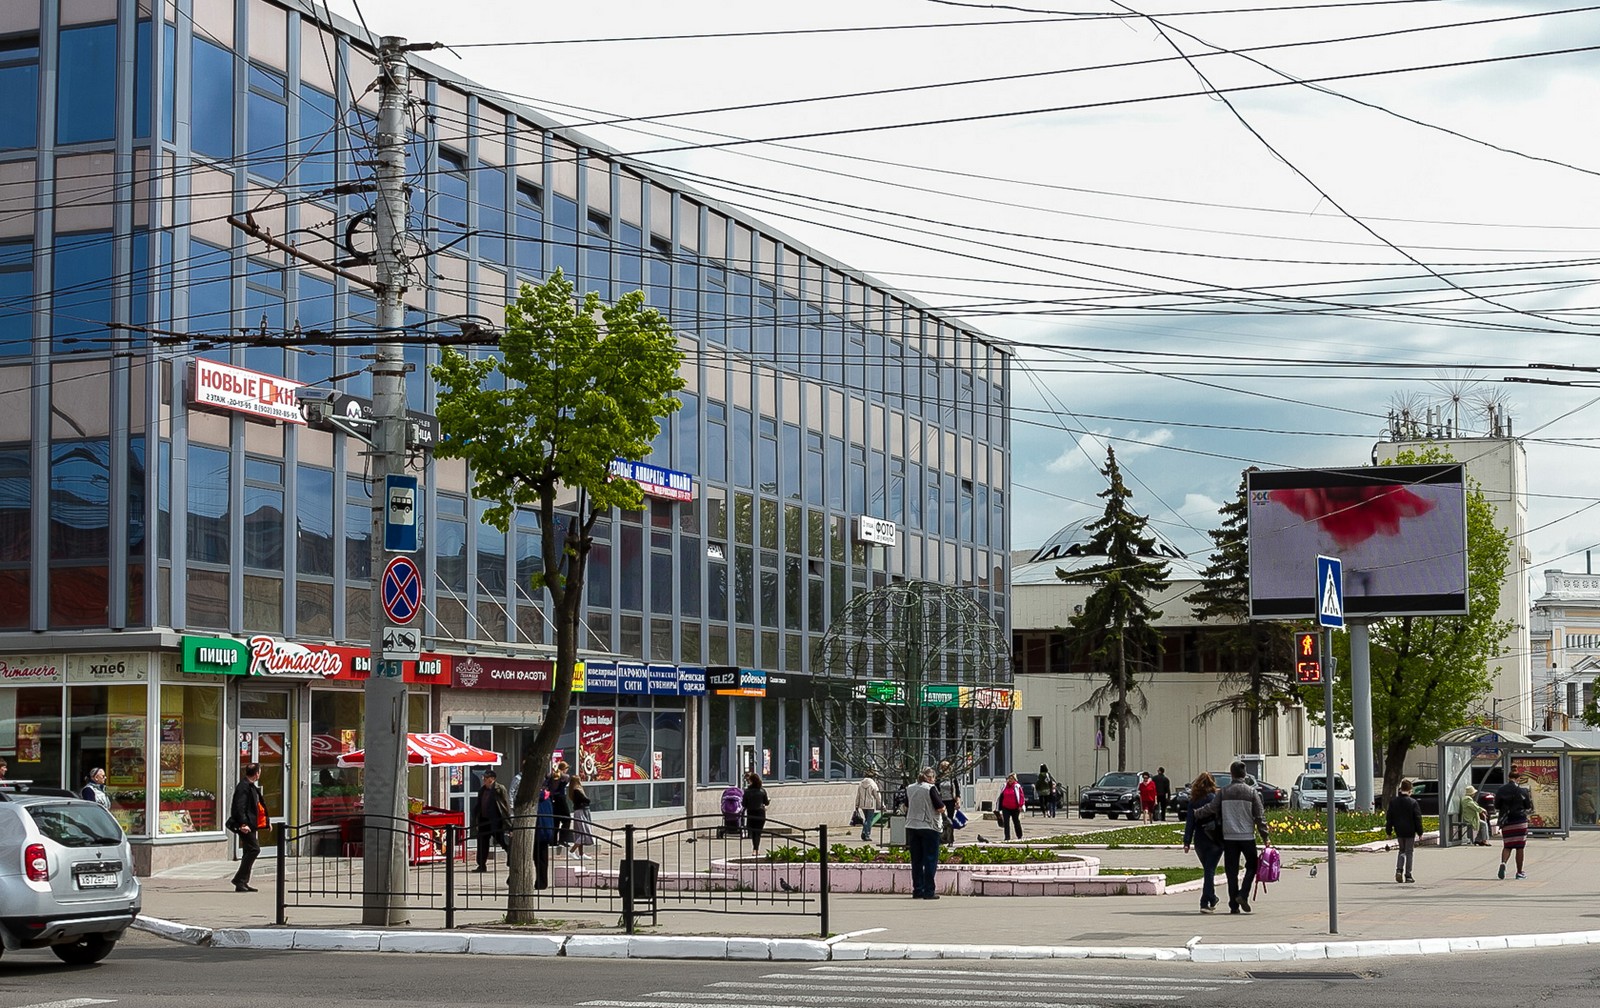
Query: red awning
(433, 749)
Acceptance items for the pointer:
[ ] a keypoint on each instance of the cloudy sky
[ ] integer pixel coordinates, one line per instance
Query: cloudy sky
(1216, 238)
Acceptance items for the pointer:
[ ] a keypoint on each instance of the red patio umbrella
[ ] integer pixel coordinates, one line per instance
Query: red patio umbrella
(433, 749)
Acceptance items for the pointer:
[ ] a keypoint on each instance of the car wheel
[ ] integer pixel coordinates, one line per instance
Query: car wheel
(86, 950)
(1085, 815)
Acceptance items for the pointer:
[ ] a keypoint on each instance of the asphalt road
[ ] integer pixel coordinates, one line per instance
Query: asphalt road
(146, 972)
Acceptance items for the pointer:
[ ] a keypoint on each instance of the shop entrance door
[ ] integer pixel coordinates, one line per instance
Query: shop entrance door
(266, 741)
(463, 782)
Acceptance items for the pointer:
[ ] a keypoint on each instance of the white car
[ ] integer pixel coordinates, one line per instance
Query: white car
(1311, 791)
(66, 876)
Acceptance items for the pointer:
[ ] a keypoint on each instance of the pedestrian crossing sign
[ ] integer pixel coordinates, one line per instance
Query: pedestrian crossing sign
(1330, 592)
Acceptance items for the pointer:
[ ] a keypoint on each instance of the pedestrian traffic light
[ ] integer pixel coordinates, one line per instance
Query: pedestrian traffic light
(1307, 669)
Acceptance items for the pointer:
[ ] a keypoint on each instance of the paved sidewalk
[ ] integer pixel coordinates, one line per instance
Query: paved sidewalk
(1456, 901)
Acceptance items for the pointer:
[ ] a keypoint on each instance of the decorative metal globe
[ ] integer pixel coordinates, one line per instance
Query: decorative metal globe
(910, 675)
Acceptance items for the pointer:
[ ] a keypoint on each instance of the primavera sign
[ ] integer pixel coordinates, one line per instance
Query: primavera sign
(283, 659)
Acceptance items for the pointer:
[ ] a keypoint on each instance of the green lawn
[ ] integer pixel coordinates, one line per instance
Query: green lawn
(1296, 829)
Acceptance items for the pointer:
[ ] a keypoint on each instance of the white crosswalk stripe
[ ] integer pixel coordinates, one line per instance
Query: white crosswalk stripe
(922, 987)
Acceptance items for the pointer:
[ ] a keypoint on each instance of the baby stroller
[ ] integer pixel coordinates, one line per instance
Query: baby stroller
(732, 810)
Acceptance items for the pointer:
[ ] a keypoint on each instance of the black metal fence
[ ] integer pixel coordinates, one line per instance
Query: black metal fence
(703, 863)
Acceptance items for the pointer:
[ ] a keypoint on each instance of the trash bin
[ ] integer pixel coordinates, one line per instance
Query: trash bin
(637, 879)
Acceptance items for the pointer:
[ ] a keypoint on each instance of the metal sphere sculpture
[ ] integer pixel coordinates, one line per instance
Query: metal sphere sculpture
(909, 675)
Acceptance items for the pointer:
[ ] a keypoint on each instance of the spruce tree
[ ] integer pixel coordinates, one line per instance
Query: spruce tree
(1255, 658)
(1116, 633)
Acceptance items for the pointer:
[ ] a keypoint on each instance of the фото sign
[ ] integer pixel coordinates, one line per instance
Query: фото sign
(876, 531)
(223, 386)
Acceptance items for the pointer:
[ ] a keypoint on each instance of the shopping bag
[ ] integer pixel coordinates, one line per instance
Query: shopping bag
(959, 819)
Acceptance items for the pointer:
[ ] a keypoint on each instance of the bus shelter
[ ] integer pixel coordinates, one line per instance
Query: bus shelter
(1562, 770)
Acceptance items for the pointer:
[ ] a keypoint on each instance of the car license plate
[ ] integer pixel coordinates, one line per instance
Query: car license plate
(1101, 804)
(106, 880)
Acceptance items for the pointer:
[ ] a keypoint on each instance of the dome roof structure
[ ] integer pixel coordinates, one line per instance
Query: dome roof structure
(1069, 549)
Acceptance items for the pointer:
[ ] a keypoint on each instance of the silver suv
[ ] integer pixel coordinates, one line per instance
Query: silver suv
(66, 875)
(1311, 791)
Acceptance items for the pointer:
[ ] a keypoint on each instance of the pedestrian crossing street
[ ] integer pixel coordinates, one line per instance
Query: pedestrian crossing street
(925, 987)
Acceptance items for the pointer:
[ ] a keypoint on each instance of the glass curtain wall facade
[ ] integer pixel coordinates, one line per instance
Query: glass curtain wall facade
(136, 134)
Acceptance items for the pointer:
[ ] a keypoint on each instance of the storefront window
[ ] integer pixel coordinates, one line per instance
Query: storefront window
(336, 728)
(633, 743)
(30, 729)
(190, 735)
(107, 727)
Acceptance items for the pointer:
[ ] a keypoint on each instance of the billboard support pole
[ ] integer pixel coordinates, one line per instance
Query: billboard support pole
(1361, 710)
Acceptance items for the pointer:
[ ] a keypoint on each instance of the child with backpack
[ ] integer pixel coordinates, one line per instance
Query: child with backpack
(1403, 819)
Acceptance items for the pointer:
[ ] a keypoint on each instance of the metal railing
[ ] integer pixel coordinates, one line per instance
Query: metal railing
(699, 863)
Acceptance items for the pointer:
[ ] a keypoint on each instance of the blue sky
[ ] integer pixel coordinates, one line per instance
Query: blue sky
(1206, 282)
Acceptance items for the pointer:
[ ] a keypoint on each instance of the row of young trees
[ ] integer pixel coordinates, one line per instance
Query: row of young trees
(1428, 672)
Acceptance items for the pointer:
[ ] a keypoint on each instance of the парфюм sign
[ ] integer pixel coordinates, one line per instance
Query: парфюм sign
(223, 386)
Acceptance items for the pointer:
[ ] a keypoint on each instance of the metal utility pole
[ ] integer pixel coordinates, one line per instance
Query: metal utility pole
(384, 726)
(1361, 711)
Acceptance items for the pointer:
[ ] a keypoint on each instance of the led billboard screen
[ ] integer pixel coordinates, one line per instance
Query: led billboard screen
(1401, 532)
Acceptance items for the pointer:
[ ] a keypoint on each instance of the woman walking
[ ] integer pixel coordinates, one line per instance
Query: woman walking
(755, 809)
(1201, 793)
(582, 823)
(1513, 801)
(1044, 786)
(1010, 805)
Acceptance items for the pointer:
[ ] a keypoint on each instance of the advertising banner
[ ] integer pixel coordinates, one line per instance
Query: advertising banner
(1544, 783)
(263, 396)
(597, 744)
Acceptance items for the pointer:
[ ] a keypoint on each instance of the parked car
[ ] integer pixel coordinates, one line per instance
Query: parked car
(1114, 793)
(1311, 791)
(66, 875)
(1426, 792)
(1272, 796)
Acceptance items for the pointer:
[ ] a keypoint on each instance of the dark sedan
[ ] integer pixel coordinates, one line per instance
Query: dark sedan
(1113, 794)
(1272, 796)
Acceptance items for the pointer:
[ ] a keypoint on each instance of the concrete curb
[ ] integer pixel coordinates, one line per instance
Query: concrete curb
(840, 949)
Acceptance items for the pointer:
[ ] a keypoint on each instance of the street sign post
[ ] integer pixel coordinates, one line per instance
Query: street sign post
(1330, 616)
(400, 513)
(1330, 592)
(401, 644)
(402, 590)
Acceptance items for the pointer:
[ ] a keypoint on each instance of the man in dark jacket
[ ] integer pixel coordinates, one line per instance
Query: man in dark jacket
(1163, 792)
(1403, 818)
(492, 818)
(247, 817)
(1242, 813)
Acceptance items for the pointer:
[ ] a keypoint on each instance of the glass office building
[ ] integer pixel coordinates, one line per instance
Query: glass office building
(164, 544)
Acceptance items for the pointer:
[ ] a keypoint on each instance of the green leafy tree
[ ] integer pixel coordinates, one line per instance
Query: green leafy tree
(1430, 672)
(1255, 657)
(583, 384)
(1116, 633)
